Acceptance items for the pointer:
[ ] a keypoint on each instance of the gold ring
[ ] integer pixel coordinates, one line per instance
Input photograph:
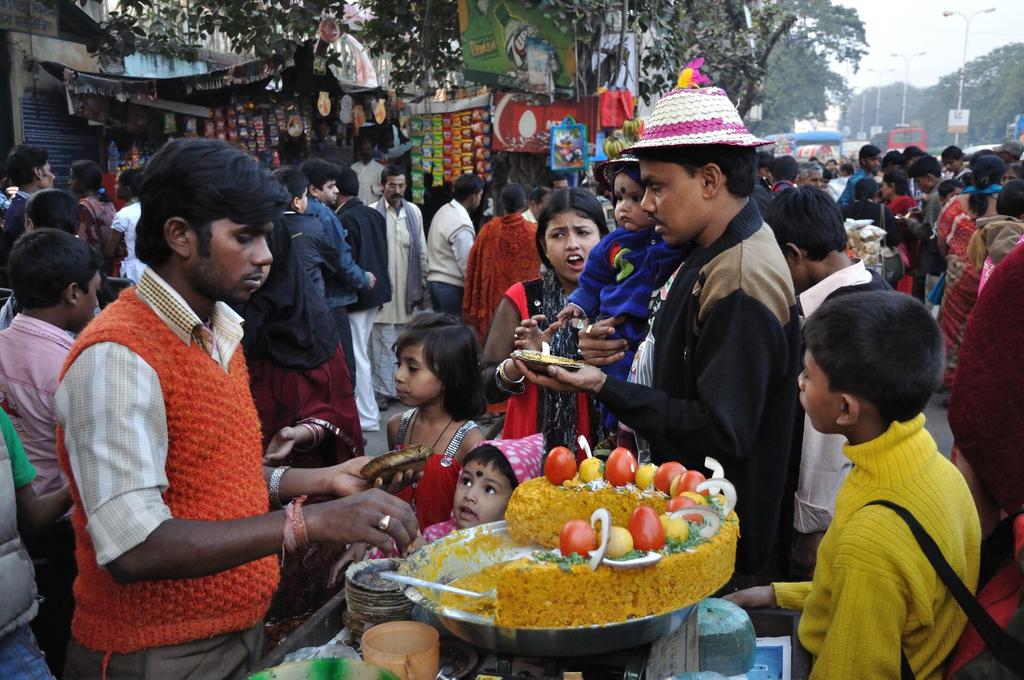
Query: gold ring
(586, 331)
(384, 522)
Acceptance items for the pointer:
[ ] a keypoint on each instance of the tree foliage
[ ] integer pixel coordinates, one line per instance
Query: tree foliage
(743, 48)
(991, 92)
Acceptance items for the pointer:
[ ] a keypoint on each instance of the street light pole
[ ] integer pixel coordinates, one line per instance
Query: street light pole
(963, 62)
(906, 77)
(863, 107)
(878, 92)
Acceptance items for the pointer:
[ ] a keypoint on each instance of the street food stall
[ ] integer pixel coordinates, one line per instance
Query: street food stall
(599, 570)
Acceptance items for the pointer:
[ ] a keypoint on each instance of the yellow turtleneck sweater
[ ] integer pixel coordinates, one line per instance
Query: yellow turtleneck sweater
(874, 592)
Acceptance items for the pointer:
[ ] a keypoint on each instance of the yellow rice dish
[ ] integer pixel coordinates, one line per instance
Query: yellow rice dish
(538, 510)
(545, 592)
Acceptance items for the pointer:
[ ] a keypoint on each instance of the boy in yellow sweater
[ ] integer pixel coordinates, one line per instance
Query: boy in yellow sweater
(872, 362)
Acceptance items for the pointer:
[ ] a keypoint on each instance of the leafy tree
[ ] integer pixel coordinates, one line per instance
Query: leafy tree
(990, 92)
(800, 82)
(743, 48)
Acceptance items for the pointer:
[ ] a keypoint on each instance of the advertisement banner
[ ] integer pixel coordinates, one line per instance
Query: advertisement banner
(959, 121)
(523, 127)
(499, 37)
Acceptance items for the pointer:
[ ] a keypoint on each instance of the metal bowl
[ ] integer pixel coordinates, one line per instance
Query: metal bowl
(449, 558)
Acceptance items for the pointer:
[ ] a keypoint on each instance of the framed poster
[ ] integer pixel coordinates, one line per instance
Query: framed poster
(569, 145)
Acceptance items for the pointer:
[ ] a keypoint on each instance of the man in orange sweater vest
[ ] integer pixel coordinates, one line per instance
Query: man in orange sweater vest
(176, 548)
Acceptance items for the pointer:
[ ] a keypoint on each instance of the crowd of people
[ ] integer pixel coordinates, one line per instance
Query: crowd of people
(180, 473)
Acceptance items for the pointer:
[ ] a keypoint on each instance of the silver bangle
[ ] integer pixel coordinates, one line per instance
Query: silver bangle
(275, 486)
(501, 374)
(517, 387)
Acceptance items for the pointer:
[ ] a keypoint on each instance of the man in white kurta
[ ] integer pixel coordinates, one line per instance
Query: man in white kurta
(369, 172)
(394, 314)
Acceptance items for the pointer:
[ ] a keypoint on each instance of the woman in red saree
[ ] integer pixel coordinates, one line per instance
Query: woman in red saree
(502, 254)
(957, 224)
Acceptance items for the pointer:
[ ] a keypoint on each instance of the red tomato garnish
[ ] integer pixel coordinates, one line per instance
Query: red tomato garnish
(578, 537)
(560, 465)
(646, 529)
(621, 467)
(690, 480)
(680, 502)
(666, 473)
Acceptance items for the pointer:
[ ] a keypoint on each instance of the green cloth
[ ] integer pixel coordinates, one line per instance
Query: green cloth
(24, 473)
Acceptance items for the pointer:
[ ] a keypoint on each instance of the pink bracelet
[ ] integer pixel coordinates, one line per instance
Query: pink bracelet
(295, 536)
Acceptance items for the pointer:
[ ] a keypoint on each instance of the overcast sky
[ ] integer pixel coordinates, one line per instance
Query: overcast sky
(911, 26)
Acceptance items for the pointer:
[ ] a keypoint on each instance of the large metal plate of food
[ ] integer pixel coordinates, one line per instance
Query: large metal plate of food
(538, 361)
(466, 552)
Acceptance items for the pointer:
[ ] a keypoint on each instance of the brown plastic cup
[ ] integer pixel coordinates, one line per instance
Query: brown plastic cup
(408, 649)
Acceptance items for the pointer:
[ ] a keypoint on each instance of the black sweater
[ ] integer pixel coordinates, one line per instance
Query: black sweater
(367, 233)
(726, 360)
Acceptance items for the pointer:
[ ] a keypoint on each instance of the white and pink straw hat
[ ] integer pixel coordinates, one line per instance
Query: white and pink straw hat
(692, 115)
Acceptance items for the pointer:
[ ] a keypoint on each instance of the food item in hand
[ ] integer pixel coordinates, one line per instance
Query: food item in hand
(577, 537)
(591, 469)
(646, 529)
(666, 473)
(620, 469)
(539, 362)
(620, 542)
(645, 476)
(386, 466)
(560, 465)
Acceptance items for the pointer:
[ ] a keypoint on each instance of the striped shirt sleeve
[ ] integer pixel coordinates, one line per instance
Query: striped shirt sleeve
(115, 429)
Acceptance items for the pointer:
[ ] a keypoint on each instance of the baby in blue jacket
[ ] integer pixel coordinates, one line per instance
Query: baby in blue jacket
(626, 268)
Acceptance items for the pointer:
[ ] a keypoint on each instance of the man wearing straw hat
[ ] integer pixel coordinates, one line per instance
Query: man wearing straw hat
(726, 339)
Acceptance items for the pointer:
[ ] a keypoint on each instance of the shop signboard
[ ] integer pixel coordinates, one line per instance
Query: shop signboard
(29, 16)
(959, 120)
(499, 37)
(523, 127)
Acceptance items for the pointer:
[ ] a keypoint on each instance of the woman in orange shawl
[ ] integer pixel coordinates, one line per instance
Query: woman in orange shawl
(503, 254)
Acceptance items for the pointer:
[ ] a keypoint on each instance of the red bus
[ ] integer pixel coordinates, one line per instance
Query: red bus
(902, 137)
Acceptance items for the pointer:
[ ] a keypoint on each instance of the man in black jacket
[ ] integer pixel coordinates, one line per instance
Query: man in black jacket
(367, 234)
(725, 359)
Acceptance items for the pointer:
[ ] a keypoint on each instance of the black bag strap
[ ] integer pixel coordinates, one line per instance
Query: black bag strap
(1004, 649)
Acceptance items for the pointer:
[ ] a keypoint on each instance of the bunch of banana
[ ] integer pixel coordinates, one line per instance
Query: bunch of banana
(614, 145)
(633, 128)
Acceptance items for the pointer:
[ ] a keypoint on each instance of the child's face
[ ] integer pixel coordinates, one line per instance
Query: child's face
(481, 496)
(628, 196)
(415, 383)
(823, 406)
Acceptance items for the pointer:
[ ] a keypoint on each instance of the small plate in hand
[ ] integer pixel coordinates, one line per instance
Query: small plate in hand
(537, 361)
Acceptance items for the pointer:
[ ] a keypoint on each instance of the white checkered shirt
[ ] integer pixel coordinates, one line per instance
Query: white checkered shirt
(115, 427)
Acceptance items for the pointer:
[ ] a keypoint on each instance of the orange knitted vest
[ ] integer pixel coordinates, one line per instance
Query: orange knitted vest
(213, 472)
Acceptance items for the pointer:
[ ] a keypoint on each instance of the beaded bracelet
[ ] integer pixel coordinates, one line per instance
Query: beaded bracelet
(295, 536)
